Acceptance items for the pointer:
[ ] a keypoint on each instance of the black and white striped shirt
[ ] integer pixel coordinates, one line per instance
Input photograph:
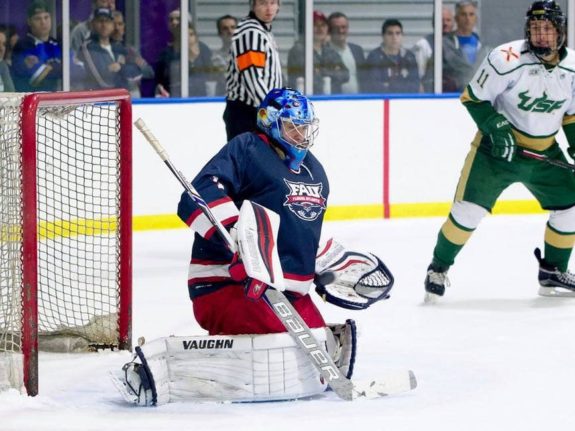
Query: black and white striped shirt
(254, 67)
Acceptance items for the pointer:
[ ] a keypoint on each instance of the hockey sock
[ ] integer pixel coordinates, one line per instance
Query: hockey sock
(450, 240)
(557, 257)
(558, 247)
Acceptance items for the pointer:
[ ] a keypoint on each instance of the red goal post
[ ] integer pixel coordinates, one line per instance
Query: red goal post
(65, 234)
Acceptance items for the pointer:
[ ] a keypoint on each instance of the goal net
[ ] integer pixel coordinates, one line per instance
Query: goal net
(65, 227)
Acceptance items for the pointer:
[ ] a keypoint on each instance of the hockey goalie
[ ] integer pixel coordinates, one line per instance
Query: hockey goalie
(270, 193)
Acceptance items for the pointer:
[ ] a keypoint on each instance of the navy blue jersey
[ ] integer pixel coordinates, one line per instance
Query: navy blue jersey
(248, 167)
(46, 73)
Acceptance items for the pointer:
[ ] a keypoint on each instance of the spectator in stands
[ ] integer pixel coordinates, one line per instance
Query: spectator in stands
(462, 50)
(174, 21)
(424, 47)
(13, 38)
(351, 54)
(81, 32)
(329, 72)
(37, 58)
(390, 68)
(226, 26)
(132, 55)
(254, 68)
(6, 83)
(199, 67)
(106, 62)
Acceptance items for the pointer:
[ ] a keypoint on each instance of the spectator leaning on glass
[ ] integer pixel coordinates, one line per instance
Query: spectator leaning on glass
(391, 68)
(226, 26)
(6, 83)
(329, 72)
(351, 54)
(105, 61)
(37, 58)
(132, 55)
(254, 67)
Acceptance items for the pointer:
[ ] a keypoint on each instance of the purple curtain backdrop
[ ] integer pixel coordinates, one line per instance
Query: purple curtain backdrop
(154, 34)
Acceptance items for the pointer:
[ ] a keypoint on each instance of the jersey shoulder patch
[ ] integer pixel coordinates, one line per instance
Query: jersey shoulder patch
(510, 56)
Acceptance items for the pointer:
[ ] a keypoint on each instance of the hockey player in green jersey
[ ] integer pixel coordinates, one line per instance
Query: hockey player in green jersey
(520, 97)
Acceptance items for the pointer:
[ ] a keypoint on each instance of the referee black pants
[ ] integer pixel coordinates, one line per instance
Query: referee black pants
(239, 118)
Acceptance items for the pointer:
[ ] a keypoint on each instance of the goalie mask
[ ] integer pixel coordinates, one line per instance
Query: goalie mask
(288, 118)
(546, 10)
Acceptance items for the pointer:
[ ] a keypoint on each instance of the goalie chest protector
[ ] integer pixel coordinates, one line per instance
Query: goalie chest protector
(248, 167)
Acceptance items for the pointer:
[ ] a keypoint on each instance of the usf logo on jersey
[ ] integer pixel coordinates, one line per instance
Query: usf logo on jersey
(538, 104)
(305, 200)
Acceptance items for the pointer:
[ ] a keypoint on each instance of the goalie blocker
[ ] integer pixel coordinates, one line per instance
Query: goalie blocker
(236, 368)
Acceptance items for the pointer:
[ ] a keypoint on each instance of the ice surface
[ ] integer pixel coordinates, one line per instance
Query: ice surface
(491, 356)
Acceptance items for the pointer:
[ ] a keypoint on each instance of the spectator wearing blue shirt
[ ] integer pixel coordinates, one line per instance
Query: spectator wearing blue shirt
(37, 58)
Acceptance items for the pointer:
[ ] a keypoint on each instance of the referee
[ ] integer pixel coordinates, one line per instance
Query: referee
(254, 67)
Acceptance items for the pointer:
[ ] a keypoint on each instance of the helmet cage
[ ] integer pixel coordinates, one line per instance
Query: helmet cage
(546, 10)
(299, 134)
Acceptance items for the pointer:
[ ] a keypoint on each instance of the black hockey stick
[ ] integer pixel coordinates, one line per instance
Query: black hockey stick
(544, 158)
(290, 318)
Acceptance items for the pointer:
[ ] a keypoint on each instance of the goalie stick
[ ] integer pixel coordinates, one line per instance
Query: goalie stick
(393, 383)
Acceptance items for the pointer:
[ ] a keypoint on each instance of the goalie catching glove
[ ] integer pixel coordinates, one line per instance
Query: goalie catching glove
(351, 279)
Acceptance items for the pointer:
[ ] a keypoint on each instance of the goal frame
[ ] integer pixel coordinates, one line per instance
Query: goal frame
(29, 109)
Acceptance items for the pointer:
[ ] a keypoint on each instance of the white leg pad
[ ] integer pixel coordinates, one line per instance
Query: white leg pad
(232, 368)
(563, 220)
(467, 214)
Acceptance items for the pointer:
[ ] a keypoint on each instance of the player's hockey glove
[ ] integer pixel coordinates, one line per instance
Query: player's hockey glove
(499, 130)
(254, 289)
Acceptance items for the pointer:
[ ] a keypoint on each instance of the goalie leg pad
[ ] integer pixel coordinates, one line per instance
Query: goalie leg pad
(137, 380)
(342, 345)
(224, 368)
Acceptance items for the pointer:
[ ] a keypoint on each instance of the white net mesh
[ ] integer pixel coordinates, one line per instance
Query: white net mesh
(78, 210)
(78, 222)
(10, 223)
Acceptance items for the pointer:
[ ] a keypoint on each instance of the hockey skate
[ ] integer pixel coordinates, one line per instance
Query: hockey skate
(435, 283)
(552, 281)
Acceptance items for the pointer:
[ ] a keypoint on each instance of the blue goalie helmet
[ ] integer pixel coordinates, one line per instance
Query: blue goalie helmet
(547, 10)
(288, 118)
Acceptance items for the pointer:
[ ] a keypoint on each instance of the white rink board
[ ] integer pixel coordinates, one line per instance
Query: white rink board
(429, 139)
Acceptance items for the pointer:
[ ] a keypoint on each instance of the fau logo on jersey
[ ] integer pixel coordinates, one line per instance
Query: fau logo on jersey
(305, 200)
